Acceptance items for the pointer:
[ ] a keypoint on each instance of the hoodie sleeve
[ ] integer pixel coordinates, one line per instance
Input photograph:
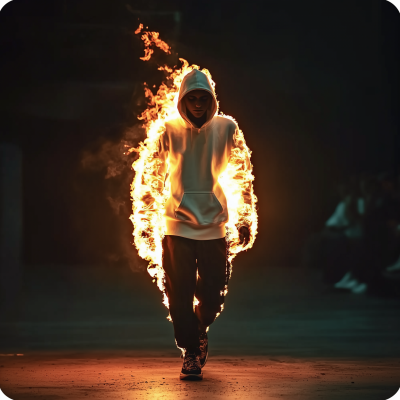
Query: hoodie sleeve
(153, 185)
(240, 156)
(162, 170)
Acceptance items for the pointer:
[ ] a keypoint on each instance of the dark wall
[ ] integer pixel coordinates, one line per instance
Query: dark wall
(314, 86)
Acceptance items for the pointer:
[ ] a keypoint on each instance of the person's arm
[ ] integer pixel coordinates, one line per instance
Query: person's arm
(155, 181)
(240, 155)
(162, 171)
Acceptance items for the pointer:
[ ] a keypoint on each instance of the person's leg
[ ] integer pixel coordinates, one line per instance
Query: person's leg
(179, 263)
(375, 244)
(335, 257)
(212, 276)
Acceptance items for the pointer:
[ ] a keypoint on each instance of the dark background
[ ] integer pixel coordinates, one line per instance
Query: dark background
(313, 85)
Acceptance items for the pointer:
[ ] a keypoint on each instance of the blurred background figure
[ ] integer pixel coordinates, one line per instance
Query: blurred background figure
(336, 248)
(359, 247)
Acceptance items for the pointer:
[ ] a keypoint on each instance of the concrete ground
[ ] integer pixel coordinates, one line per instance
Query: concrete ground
(100, 333)
(130, 376)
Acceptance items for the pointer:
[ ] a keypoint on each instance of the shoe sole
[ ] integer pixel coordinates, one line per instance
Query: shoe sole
(191, 377)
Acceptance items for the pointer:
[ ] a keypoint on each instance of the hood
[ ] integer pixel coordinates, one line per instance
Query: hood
(196, 80)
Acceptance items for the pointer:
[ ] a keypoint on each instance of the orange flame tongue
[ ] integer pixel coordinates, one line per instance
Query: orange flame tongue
(149, 39)
(149, 195)
(139, 29)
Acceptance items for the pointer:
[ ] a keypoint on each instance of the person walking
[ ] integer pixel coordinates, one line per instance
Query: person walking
(194, 150)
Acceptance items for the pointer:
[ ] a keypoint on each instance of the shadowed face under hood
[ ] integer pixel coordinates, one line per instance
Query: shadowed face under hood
(196, 80)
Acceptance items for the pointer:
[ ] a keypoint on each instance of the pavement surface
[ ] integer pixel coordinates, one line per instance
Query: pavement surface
(129, 376)
(92, 332)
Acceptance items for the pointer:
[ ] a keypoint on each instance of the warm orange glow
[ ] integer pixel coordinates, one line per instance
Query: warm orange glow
(149, 194)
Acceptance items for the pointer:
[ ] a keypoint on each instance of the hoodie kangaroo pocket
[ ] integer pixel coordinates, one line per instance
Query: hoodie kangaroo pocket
(199, 207)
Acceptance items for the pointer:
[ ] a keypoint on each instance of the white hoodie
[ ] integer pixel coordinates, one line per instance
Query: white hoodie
(195, 158)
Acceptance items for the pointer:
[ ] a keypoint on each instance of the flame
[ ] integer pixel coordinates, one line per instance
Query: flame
(150, 39)
(149, 194)
(139, 29)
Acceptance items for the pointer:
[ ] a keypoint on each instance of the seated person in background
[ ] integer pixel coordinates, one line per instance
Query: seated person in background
(353, 209)
(329, 249)
(379, 245)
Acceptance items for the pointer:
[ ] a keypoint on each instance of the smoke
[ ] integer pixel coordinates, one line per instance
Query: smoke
(113, 155)
(116, 204)
(111, 159)
(110, 163)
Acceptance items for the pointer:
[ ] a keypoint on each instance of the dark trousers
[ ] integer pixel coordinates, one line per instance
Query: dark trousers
(194, 268)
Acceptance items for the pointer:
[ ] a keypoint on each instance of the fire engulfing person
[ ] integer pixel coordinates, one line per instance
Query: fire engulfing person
(193, 203)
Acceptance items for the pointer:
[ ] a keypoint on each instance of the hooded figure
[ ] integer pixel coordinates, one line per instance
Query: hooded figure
(194, 152)
(197, 207)
(196, 80)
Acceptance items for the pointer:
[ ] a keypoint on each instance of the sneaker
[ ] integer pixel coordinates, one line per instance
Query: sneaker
(347, 282)
(191, 369)
(394, 267)
(203, 349)
(360, 288)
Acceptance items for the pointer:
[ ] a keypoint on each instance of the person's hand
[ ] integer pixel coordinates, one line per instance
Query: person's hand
(244, 235)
